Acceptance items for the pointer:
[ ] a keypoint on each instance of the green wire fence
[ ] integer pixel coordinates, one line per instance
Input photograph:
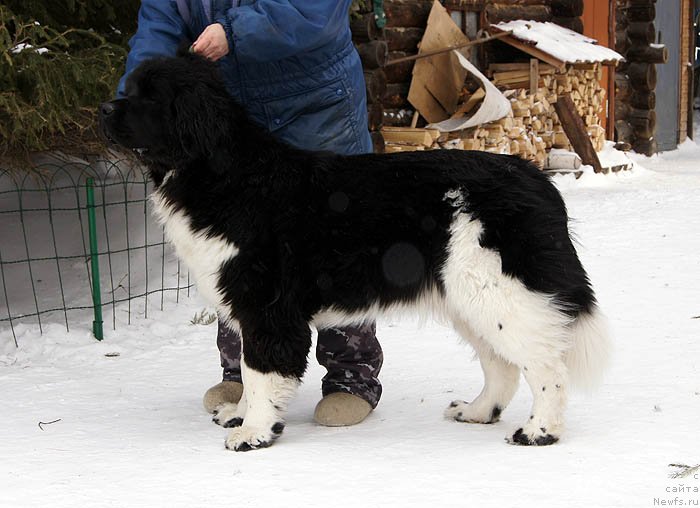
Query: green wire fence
(77, 239)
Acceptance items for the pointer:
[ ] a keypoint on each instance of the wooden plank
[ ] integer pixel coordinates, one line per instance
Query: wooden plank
(576, 132)
(530, 49)
(411, 136)
(534, 75)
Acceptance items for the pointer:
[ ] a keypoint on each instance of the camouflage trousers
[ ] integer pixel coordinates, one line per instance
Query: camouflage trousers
(351, 355)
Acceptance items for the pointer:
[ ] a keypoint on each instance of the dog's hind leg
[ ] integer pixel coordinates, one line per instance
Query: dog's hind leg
(500, 384)
(548, 383)
(273, 361)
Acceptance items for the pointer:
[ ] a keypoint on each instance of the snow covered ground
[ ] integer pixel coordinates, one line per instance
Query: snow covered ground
(130, 429)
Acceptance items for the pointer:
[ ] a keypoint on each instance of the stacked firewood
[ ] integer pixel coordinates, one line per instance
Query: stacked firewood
(532, 127)
(635, 80)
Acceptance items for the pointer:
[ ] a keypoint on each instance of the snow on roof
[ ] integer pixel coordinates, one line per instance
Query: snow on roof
(559, 42)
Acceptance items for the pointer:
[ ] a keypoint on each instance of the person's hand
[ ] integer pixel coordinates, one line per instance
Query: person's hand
(211, 43)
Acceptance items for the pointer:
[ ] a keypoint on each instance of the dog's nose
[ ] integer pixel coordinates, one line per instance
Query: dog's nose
(107, 108)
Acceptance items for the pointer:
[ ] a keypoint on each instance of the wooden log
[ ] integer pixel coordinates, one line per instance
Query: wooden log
(623, 89)
(400, 72)
(642, 76)
(496, 13)
(375, 117)
(534, 75)
(373, 54)
(643, 100)
(642, 32)
(573, 23)
(410, 136)
(576, 132)
(567, 8)
(375, 84)
(377, 142)
(364, 28)
(641, 13)
(650, 54)
(396, 96)
(407, 13)
(622, 42)
(643, 122)
(404, 39)
(647, 146)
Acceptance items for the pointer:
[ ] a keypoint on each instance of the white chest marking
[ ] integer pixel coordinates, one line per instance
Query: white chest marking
(203, 253)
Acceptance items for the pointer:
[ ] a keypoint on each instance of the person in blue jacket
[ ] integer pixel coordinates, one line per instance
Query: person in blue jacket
(293, 67)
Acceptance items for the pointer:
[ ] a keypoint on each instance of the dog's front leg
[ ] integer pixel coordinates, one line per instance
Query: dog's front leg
(273, 361)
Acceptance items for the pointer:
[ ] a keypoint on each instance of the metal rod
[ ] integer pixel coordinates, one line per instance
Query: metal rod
(94, 261)
(445, 50)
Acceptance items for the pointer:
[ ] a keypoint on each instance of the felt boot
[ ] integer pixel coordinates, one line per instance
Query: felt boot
(340, 409)
(226, 391)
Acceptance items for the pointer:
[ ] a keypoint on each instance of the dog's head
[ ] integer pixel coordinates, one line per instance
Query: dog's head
(176, 110)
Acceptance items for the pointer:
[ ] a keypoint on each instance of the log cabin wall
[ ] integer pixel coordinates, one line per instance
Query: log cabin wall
(635, 104)
(636, 79)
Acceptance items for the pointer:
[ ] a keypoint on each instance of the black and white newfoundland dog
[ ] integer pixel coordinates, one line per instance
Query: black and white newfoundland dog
(280, 239)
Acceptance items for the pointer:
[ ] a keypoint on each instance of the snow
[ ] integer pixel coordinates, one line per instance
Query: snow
(559, 42)
(131, 430)
(23, 45)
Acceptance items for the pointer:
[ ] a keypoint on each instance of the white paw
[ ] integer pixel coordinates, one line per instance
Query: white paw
(472, 413)
(244, 438)
(532, 435)
(228, 414)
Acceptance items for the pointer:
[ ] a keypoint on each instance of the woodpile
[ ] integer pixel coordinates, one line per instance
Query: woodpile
(532, 128)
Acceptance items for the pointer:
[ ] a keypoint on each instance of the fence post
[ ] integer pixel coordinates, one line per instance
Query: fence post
(94, 261)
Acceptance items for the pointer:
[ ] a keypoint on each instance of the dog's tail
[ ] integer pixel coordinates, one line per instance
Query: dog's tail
(590, 351)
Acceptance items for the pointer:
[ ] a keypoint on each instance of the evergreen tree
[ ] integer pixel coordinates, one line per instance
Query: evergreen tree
(58, 61)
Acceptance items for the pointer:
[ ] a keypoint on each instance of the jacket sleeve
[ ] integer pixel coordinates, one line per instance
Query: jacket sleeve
(269, 30)
(160, 31)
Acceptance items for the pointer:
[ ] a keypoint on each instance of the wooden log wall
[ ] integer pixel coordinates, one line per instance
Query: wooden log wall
(635, 113)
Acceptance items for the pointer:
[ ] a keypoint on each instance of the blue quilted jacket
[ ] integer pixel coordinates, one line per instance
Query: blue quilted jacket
(291, 63)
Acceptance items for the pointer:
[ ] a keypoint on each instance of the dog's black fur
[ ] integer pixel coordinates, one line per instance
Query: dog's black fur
(319, 230)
